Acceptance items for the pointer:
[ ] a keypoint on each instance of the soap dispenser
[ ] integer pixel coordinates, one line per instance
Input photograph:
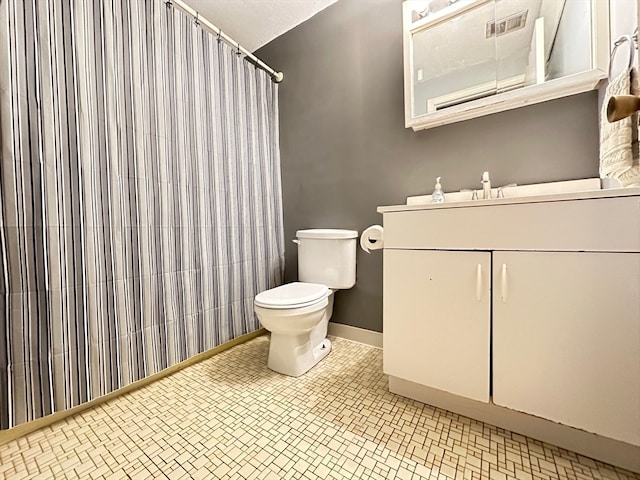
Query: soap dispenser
(437, 196)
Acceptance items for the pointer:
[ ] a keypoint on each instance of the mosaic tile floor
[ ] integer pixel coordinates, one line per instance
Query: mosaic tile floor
(229, 417)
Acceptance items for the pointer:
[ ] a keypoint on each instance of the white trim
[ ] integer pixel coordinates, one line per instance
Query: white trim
(539, 51)
(560, 87)
(477, 91)
(443, 15)
(591, 445)
(355, 334)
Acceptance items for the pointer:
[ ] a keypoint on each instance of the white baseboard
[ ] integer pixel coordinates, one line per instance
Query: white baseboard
(355, 334)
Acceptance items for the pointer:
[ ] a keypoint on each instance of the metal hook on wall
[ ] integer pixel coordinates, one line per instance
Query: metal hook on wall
(632, 40)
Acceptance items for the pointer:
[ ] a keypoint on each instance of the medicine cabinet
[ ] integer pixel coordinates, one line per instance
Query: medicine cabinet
(468, 58)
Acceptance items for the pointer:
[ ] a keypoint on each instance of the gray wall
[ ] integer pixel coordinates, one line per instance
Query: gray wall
(345, 150)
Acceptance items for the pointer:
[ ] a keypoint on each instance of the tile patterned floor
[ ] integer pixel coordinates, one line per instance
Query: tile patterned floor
(229, 417)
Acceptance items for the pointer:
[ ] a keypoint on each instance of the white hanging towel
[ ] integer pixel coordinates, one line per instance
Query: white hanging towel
(618, 157)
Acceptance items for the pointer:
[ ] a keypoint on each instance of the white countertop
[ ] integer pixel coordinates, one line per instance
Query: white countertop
(558, 197)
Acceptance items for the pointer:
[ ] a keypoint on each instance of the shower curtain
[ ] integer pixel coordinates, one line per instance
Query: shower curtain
(140, 198)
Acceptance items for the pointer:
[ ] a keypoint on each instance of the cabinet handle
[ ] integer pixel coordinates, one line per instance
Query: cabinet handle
(479, 283)
(505, 287)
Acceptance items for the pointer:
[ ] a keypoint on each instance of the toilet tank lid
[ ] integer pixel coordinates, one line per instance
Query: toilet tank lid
(327, 233)
(291, 294)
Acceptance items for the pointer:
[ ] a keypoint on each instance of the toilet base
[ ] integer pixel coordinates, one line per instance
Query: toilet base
(294, 355)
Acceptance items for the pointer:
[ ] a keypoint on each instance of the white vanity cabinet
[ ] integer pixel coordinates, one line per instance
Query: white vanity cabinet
(437, 304)
(566, 338)
(524, 313)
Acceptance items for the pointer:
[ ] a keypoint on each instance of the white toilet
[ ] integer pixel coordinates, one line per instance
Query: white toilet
(297, 314)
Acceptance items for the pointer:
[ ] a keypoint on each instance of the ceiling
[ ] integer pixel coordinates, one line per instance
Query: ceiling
(254, 23)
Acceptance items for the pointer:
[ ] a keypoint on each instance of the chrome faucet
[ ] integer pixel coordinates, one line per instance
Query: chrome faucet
(501, 189)
(474, 193)
(486, 186)
(486, 189)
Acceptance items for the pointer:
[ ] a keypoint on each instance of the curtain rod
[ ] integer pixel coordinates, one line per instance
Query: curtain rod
(276, 76)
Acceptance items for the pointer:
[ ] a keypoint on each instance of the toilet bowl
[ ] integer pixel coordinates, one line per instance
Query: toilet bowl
(297, 315)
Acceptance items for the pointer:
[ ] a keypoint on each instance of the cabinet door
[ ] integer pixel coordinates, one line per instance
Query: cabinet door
(566, 339)
(436, 319)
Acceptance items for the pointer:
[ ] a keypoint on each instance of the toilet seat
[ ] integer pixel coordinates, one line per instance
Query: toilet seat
(292, 295)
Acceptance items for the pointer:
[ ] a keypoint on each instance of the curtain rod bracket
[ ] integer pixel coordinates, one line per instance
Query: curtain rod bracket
(217, 31)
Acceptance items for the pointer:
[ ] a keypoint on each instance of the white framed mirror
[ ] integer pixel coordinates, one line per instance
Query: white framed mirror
(468, 58)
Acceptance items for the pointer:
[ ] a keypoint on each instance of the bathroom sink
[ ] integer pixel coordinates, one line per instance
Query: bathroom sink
(518, 191)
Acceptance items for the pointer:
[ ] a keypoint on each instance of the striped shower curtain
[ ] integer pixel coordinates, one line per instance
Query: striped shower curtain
(140, 199)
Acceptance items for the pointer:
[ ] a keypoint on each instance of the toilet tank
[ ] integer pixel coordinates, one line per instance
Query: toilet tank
(327, 256)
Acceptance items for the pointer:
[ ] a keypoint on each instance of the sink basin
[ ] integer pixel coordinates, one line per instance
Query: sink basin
(551, 188)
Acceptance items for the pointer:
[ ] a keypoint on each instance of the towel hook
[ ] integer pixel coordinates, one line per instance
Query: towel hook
(624, 38)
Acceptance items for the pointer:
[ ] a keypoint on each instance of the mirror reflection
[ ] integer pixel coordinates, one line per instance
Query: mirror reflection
(463, 50)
